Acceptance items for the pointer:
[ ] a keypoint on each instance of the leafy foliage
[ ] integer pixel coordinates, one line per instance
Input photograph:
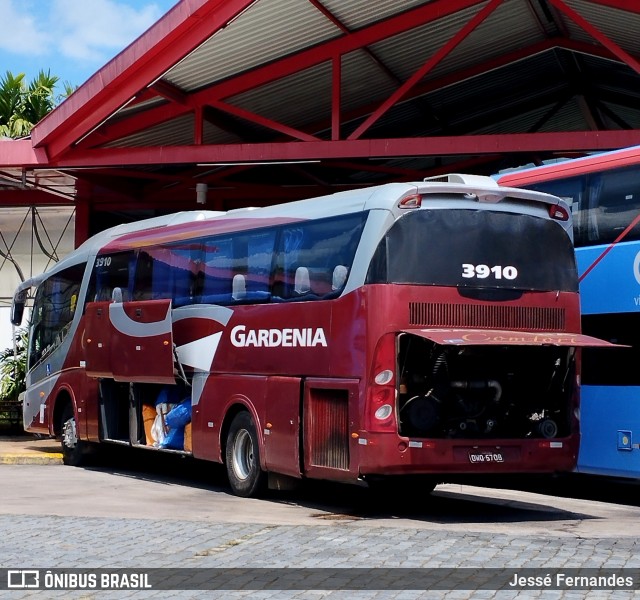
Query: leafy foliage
(13, 367)
(22, 105)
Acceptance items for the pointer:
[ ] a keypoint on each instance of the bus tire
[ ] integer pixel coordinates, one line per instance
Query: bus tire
(242, 454)
(73, 449)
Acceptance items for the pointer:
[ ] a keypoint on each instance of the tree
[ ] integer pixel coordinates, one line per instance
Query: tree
(22, 105)
(13, 367)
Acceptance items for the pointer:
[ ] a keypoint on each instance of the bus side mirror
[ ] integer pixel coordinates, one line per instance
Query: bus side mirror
(17, 308)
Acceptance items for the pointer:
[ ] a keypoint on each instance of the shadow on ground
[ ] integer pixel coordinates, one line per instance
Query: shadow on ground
(348, 502)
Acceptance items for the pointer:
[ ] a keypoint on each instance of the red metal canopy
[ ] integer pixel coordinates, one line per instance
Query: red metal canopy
(267, 101)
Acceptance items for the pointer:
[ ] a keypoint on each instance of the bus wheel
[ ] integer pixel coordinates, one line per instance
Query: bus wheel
(73, 449)
(243, 457)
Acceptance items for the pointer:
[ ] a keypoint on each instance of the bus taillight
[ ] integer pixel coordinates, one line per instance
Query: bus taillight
(413, 201)
(559, 213)
(381, 395)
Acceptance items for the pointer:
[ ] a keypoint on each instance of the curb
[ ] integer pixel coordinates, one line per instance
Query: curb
(31, 459)
(26, 450)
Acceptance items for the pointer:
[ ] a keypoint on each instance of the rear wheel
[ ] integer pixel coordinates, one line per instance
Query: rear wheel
(73, 449)
(243, 457)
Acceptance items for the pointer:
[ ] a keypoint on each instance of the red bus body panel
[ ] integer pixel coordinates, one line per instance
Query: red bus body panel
(293, 367)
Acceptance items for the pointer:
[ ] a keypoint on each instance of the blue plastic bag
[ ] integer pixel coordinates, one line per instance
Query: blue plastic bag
(169, 394)
(174, 440)
(179, 415)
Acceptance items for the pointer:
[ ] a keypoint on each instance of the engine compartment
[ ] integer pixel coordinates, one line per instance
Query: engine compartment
(484, 392)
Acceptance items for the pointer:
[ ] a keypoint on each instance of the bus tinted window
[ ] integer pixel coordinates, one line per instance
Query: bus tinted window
(309, 253)
(167, 272)
(603, 204)
(476, 249)
(309, 259)
(237, 268)
(53, 309)
(112, 271)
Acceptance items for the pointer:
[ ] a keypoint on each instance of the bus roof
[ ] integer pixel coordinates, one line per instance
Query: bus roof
(192, 224)
(572, 167)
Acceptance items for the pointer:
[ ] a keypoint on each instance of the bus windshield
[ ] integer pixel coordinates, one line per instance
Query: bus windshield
(475, 249)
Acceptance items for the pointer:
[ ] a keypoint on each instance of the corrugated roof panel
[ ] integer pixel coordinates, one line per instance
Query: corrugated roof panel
(213, 134)
(629, 115)
(621, 26)
(611, 76)
(404, 120)
(569, 118)
(131, 109)
(499, 90)
(507, 28)
(268, 30)
(405, 53)
(364, 82)
(170, 133)
(296, 100)
(527, 120)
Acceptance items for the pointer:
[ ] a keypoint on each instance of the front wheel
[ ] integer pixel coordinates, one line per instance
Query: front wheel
(73, 449)
(243, 457)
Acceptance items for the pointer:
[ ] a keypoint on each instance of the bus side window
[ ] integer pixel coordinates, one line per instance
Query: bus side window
(616, 195)
(324, 249)
(110, 271)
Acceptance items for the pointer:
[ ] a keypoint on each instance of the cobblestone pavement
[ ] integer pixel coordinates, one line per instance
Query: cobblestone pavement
(50, 520)
(73, 542)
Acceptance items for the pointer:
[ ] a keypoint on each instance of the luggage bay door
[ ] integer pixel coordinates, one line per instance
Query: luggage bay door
(130, 341)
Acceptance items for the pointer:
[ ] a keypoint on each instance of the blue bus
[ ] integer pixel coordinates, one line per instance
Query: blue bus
(603, 191)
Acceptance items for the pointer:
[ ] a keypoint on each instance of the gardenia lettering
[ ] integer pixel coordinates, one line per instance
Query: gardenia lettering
(271, 338)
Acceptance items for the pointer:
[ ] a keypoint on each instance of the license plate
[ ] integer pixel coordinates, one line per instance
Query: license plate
(486, 457)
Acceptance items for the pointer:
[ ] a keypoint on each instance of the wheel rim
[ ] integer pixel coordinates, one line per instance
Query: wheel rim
(242, 458)
(69, 434)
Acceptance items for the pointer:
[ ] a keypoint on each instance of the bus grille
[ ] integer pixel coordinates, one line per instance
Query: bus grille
(529, 318)
(329, 428)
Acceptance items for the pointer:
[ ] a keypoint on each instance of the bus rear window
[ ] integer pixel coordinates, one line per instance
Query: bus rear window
(476, 249)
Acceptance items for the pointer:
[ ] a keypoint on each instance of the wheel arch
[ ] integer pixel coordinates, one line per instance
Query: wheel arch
(238, 405)
(64, 398)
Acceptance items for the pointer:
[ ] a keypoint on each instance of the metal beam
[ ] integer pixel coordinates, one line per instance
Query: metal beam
(21, 153)
(263, 121)
(382, 148)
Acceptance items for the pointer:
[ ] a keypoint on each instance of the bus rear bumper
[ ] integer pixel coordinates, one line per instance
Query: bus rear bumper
(382, 454)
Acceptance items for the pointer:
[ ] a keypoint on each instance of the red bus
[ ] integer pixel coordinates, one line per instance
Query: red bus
(411, 329)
